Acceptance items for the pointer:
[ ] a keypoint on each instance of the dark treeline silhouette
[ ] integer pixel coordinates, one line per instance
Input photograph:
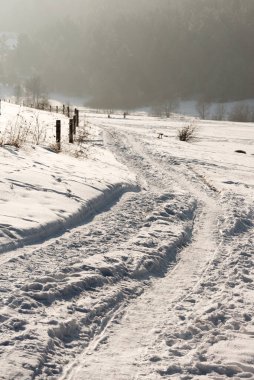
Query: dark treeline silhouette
(133, 53)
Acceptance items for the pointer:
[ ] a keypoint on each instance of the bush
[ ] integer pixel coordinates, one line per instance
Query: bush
(39, 131)
(55, 148)
(82, 135)
(17, 132)
(22, 130)
(82, 139)
(187, 133)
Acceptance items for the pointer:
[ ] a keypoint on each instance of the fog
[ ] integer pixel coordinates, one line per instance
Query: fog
(32, 15)
(133, 53)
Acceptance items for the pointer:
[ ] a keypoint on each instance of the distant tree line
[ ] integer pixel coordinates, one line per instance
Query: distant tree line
(135, 53)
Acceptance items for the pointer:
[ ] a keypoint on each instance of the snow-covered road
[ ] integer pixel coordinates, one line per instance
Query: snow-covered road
(157, 285)
(135, 342)
(189, 323)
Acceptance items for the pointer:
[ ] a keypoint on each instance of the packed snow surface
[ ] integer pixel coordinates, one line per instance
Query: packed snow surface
(133, 254)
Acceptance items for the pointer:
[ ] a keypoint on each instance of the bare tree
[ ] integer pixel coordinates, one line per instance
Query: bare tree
(240, 112)
(18, 92)
(203, 108)
(252, 115)
(170, 106)
(35, 88)
(220, 112)
(166, 109)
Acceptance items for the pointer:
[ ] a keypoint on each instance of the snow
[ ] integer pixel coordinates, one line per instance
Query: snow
(43, 193)
(151, 274)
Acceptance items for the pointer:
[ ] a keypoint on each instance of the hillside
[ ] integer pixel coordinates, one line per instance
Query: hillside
(132, 54)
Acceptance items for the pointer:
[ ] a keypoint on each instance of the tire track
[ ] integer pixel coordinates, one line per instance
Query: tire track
(122, 349)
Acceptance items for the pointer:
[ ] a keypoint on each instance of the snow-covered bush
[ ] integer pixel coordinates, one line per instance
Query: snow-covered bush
(187, 133)
(82, 135)
(39, 131)
(17, 132)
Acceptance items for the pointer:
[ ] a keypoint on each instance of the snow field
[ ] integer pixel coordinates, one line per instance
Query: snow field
(67, 289)
(160, 284)
(43, 193)
(206, 330)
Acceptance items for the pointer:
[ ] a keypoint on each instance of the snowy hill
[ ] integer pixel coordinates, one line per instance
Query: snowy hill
(151, 275)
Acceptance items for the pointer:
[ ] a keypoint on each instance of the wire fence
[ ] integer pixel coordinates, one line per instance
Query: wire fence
(63, 109)
(67, 110)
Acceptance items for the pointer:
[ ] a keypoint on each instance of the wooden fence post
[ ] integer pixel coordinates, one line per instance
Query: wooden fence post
(63, 109)
(74, 123)
(71, 131)
(77, 117)
(68, 111)
(56, 109)
(50, 107)
(58, 132)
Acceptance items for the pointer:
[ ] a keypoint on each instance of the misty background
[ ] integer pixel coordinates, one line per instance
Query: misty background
(134, 53)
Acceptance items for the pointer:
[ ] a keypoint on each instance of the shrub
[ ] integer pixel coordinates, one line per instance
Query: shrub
(17, 132)
(39, 132)
(56, 148)
(82, 136)
(81, 140)
(22, 130)
(187, 133)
